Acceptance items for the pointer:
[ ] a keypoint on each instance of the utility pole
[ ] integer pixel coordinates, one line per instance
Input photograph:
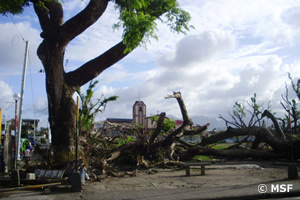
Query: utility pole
(15, 176)
(21, 100)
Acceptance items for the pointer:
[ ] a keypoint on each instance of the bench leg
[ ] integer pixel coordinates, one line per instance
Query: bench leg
(202, 169)
(187, 171)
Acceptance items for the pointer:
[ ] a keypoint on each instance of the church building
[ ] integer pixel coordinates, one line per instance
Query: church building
(112, 126)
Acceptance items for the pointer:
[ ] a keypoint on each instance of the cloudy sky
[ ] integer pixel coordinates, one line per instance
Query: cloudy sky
(237, 48)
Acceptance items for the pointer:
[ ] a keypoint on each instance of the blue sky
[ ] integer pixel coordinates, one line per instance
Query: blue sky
(237, 48)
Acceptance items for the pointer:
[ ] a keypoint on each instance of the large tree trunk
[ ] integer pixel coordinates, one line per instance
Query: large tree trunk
(62, 110)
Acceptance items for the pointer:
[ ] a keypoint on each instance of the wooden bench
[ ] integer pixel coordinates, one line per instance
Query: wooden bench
(189, 166)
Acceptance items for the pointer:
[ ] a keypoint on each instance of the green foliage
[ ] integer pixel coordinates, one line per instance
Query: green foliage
(139, 126)
(168, 124)
(138, 19)
(17, 6)
(89, 109)
(239, 110)
(12, 6)
(256, 107)
(125, 141)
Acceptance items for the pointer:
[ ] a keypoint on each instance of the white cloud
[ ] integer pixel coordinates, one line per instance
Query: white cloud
(291, 16)
(6, 94)
(13, 47)
(41, 105)
(199, 48)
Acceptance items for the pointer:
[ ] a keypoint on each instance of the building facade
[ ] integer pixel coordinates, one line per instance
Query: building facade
(114, 126)
(139, 113)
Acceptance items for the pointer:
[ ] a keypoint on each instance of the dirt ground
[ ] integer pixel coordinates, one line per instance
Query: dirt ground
(174, 179)
(219, 181)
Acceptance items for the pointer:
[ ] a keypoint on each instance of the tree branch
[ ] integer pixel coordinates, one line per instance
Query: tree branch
(94, 67)
(187, 122)
(55, 12)
(158, 127)
(80, 22)
(177, 96)
(275, 142)
(241, 153)
(43, 15)
(275, 122)
(199, 130)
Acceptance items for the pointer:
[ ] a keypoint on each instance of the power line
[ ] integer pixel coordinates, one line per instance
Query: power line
(17, 28)
(32, 91)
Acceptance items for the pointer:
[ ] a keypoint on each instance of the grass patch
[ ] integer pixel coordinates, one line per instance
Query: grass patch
(203, 158)
(221, 145)
(214, 146)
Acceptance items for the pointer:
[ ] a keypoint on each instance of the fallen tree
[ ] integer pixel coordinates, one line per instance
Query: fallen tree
(152, 149)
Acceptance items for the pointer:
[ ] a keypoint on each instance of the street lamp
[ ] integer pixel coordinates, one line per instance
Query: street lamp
(16, 98)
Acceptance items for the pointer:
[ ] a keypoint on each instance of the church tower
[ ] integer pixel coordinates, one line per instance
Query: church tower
(139, 113)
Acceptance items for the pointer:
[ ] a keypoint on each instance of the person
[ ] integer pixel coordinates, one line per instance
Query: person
(81, 169)
(71, 168)
(27, 155)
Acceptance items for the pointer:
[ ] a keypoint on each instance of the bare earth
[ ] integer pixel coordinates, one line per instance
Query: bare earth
(219, 181)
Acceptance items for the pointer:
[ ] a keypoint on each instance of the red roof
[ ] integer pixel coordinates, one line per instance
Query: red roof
(178, 122)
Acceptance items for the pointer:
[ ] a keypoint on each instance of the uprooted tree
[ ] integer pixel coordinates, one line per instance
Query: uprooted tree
(159, 147)
(147, 149)
(166, 142)
(138, 21)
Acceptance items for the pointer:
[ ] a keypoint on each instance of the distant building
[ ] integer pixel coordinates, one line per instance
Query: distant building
(28, 126)
(139, 113)
(114, 126)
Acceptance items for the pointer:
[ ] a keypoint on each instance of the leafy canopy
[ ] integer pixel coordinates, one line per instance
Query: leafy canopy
(136, 17)
(17, 6)
(168, 124)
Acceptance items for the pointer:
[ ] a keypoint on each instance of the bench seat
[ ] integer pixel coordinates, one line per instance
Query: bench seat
(189, 166)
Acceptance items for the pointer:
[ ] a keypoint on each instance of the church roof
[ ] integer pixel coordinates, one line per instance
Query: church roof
(136, 102)
(119, 120)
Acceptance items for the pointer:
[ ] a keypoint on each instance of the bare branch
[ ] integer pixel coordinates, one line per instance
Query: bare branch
(177, 96)
(275, 122)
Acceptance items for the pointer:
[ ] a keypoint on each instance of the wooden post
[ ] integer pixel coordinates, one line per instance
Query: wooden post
(187, 170)
(76, 140)
(7, 151)
(202, 169)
